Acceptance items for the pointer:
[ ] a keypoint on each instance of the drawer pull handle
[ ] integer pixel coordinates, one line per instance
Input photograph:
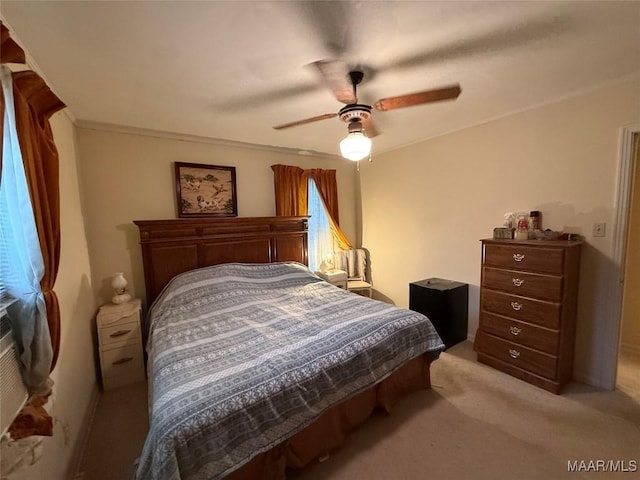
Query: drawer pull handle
(122, 360)
(119, 333)
(516, 306)
(517, 282)
(514, 353)
(518, 257)
(515, 330)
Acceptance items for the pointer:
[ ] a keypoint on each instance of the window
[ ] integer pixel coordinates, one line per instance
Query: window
(321, 243)
(21, 262)
(312, 192)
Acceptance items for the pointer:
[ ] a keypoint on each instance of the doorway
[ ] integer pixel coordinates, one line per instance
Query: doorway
(628, 373)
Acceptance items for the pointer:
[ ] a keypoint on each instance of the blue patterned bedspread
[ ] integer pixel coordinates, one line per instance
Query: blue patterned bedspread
(243, 356)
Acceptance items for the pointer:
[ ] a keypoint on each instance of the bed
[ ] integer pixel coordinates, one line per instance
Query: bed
(257, 365)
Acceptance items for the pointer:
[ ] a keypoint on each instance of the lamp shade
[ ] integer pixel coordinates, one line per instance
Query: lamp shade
(355, 146)
(119, 283)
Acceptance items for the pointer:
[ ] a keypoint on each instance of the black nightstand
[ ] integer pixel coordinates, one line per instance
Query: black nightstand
(446, 303)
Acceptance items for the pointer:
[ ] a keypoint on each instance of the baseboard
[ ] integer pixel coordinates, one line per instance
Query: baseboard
(87, 423)
(587, 379)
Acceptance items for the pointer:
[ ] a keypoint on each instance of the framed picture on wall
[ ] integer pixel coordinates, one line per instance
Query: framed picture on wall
(206, 190)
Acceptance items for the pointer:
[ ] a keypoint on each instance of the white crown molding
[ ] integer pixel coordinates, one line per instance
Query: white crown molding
(584, 91)
(109, 127)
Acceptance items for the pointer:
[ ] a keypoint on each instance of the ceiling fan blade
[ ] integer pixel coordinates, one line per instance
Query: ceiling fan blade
(418, 98)
(370, 129)
(334, 74)
(331, 23)
(306, 120)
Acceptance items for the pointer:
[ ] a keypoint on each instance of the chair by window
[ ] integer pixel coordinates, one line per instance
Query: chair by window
(355, 262)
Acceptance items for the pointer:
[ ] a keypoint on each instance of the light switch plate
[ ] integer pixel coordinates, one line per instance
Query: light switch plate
(599, 229)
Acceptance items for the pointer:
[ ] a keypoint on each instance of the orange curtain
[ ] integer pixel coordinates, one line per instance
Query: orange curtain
(34, 105)
(291, 190)
(328, 189)
(10, 51)
(291, 195)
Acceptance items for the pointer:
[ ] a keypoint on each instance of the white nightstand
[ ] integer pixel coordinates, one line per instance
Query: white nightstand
(334, 277)
(120, 344)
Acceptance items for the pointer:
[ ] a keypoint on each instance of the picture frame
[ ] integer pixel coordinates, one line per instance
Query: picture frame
(204, 190)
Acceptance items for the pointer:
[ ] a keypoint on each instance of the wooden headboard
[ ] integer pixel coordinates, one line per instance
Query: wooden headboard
(170, 247)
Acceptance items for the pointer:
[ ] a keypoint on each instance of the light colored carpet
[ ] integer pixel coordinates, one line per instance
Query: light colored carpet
(475, 423)
(628, 379)
(117, 435)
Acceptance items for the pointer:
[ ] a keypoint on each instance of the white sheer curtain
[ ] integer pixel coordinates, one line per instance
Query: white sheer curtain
(321, 246)
(21, 262)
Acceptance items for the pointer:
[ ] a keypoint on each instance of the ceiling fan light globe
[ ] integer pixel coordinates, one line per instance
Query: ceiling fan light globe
(355, 146)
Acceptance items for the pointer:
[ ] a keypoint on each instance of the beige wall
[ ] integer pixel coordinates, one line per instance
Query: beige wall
(440, 197)
(75, 391)
(129, 177)
(443, 195)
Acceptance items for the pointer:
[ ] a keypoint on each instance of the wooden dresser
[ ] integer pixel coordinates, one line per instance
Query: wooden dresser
(528, 299)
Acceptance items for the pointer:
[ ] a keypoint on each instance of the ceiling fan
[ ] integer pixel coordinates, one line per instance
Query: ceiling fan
(358, 115)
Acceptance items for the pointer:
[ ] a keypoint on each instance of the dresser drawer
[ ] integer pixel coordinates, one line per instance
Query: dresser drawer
(536, 259)
(546, 314)
(544, 287)
(120, 333)
(122, 360)
(522, 333)
(513, 354)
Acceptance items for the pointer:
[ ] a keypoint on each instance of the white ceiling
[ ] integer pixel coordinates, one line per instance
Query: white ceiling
(232, 70)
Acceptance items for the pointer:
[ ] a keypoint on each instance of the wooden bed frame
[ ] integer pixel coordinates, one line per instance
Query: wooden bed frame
(170, 247)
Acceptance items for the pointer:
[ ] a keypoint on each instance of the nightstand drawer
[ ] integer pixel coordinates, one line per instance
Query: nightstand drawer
(544, 287)
(522, 333)
(546, 314)
(517, 257)
(517, 355)
(120, 333)
(114, 318)
(121, 360)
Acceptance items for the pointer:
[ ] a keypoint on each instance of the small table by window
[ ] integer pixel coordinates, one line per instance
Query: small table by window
(334, 277)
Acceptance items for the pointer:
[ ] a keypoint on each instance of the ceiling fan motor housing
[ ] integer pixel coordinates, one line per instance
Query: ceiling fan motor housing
(355, 112)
